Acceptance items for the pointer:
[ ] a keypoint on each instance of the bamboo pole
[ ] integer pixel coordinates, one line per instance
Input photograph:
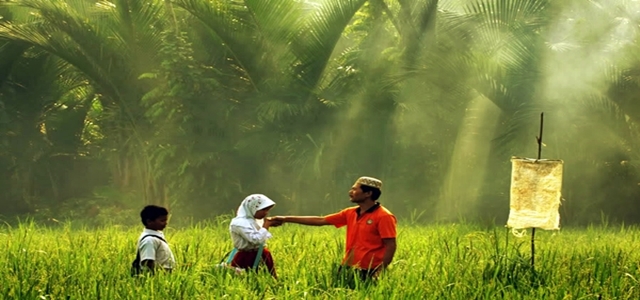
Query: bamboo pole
(533, 230)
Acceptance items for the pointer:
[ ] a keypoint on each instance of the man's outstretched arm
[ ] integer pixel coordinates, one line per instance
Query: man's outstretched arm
(303, 220)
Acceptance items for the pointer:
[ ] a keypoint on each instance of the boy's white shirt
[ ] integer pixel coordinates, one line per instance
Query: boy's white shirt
(154, 249)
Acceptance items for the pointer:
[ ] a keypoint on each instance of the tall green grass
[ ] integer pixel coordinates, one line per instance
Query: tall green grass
(432, 262)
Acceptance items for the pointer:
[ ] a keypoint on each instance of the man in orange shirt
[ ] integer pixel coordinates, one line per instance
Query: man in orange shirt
(371, 229)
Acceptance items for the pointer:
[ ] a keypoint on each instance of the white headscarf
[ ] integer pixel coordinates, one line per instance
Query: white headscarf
(248, 208)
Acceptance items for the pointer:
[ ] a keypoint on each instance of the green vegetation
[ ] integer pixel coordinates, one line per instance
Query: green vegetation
(433, 262)
(108, 105)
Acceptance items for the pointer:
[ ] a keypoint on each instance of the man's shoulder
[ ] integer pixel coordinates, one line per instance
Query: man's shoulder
(350, 209)
(383, 211)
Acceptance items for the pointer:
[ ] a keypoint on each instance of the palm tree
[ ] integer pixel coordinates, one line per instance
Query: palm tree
(281, 58)
(111, 44)
(44, 104)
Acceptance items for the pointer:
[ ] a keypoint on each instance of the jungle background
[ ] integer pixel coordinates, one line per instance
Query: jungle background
(106, 106)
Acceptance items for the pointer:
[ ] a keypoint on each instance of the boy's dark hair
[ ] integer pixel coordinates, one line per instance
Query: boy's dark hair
(152, 212)
(375, 192)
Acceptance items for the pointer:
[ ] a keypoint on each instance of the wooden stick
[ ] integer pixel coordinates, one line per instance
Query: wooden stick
(533, 230)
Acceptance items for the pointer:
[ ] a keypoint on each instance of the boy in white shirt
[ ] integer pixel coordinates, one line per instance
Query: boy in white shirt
(153, 249)
(247, 235)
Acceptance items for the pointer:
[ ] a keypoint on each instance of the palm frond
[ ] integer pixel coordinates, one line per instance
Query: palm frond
(276, 21)
(10, 52)
(317, 41)
(230, 25)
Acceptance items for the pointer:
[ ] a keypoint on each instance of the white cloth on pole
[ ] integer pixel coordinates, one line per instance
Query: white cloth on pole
(535, 193)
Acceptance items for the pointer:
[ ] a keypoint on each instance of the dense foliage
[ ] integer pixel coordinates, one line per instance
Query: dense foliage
(109, 105)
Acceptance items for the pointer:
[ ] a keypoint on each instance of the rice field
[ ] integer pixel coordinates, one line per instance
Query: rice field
(451, 261)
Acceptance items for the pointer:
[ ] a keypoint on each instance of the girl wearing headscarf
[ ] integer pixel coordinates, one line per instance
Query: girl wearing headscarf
(247, 234)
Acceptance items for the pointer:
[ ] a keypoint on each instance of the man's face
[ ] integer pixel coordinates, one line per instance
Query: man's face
(356, 195)
(158, 224)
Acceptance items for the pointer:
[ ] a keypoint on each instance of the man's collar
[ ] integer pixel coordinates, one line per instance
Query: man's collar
(371, 209)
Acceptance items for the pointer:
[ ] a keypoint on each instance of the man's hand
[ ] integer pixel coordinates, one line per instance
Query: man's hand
(276, 221)
(273, 222)
(378, 272)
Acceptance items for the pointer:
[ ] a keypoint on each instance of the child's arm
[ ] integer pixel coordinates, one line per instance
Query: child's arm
(150, 264)
(252, 235)
(148, 253)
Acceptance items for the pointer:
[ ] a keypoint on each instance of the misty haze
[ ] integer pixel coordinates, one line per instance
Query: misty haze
(192, 105)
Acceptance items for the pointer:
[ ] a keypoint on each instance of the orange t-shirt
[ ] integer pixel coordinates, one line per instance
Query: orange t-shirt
(365, 232)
